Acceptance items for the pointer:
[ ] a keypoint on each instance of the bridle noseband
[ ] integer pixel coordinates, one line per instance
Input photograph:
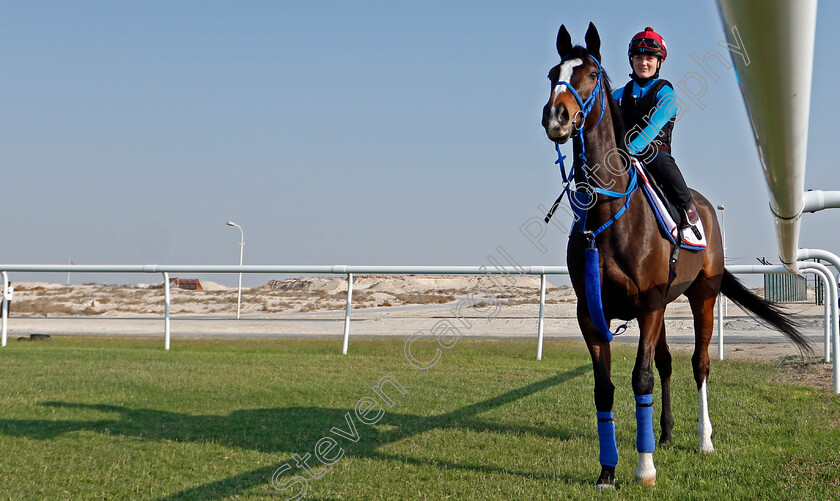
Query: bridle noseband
(585, 108)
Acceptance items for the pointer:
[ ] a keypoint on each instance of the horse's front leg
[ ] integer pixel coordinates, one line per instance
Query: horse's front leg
(599, 350)
(651, 326)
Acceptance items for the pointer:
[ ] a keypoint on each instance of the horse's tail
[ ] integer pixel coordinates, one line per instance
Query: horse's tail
(768, 311)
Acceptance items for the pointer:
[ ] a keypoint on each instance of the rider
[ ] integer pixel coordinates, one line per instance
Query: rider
(649, 107)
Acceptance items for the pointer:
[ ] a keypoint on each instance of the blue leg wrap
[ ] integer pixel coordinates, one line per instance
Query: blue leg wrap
(606, 436)
(592, 273)
(645, 442)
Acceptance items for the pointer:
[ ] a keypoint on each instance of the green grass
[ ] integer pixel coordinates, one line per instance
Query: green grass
(92, 418)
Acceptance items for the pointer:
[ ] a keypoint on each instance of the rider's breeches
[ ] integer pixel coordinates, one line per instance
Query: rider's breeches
(664, 169)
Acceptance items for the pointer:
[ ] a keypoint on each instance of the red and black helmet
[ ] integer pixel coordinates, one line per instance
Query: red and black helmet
(648, 42)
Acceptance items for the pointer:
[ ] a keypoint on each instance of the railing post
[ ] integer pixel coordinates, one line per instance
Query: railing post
(541, 323)
(835, 335)
(720, 325)
(166, 308)
(5, 307)
(830, 302)
(825, 280)
(827, 310)
(347, 309)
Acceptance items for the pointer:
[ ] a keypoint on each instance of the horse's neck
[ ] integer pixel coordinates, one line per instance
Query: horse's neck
(607, 168)
(605, 163)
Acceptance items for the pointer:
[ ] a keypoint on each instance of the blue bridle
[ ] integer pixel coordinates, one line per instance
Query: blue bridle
(591, 262)
(585, 109)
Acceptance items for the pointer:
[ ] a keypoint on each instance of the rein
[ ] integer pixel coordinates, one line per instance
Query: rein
(592, 267)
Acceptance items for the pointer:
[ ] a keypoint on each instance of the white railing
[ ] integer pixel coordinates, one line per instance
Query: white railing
(346, 270)
(832, 319)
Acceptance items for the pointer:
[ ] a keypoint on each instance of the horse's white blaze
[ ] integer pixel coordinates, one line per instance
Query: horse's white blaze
(645, 472)
(704, 424)
(566, 70)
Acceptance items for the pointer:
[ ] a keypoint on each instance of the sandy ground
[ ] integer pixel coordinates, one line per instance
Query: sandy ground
(383, 306)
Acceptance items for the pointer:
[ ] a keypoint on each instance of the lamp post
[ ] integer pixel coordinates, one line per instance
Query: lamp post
(241, 247)
(722, 228)
(720, 207)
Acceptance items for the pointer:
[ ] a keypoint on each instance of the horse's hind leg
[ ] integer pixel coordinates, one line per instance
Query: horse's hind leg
(663, 365)
(701, 297)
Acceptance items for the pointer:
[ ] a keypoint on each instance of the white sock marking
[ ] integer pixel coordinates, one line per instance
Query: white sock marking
(704, 424)
(645, 469)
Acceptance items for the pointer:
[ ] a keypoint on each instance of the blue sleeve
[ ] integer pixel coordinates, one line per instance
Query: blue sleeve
(666, 109)
(616, 95)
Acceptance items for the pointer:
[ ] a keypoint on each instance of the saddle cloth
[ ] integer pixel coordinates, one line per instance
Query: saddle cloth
(666, 221)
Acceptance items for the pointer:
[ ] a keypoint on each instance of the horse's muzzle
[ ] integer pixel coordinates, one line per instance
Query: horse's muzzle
(556, 123)
(559, 135)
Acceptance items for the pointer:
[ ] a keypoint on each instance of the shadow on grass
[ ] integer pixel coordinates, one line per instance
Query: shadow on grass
(289, 430)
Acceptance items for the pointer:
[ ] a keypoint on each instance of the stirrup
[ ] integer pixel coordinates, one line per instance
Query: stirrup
(690, 220)
(690, 217)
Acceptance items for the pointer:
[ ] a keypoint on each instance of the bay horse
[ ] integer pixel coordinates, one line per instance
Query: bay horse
(631, 260)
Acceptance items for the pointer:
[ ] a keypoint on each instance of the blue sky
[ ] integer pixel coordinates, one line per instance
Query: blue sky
(339, 132)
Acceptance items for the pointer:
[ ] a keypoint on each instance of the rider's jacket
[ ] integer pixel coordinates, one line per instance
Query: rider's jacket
(649, 112)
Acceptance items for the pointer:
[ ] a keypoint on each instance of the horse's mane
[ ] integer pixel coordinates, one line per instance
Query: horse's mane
(579, 51)
(615, 112)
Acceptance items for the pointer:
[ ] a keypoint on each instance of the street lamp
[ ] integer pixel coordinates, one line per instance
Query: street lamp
(241, 247)
(722, 229)
(723, 242)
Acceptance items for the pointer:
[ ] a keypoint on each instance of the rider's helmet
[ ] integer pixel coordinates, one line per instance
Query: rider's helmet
(647, 42)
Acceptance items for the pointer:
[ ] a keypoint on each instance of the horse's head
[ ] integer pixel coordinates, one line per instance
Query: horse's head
(580, 69)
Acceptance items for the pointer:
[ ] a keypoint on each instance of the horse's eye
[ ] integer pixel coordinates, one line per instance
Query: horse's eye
(594, 75)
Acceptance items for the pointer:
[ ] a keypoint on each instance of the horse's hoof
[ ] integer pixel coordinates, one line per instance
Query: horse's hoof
(606, 481)
(646, 481)
(645, 471)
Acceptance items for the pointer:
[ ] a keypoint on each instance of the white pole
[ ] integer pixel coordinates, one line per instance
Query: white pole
(721, 208)
(166, 308)
(541, 322)
(827, 341)
(239, 294)
(831, 299)
(5, 308)
(347, 313)
(835, 335)
(825, 280)
(720, 326)
(775, 76)
(824, 276)
(827, 327)
(241, 248)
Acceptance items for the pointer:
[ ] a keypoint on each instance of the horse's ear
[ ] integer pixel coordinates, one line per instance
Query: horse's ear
(564, 41)
(593, 41)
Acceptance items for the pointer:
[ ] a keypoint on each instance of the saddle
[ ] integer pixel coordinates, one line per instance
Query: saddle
(668, 214)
